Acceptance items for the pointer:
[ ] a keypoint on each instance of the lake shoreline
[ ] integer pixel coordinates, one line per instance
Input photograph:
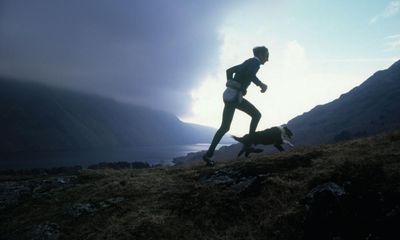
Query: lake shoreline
(153, 155)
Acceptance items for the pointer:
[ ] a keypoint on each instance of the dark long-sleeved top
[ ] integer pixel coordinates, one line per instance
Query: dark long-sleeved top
(245, 73)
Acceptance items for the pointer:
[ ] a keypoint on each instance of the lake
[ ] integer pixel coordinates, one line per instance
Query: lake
(151, 154)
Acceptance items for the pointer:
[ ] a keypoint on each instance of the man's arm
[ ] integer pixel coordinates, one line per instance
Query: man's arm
(256, 81)
(252, 71)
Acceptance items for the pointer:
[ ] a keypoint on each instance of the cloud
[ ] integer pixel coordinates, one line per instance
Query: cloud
(373, 20)
(295, 57)
(360, 60)
(392, 42)
(391, 10)
(145, 52)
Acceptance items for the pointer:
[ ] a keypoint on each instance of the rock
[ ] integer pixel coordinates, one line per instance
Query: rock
(41, 188)
(11, 193)
(111, 201)
(66, 179)
(115, 200)
(332, 212)
(232, 180)
(326, 192)
(221, 178)
(324, 212)
(45, 231)
(79, 209)
(243, 185)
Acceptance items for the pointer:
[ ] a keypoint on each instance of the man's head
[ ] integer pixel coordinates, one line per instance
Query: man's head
(261, 53)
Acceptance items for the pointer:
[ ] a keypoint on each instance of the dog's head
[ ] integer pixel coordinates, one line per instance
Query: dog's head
(287, 131)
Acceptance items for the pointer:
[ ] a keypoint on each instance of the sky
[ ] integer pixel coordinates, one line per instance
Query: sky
(172, 54)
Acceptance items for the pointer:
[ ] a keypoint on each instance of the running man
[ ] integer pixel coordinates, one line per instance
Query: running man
(236, 88)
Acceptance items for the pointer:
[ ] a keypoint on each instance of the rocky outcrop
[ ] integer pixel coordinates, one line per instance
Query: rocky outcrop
(13, 192)
(233, 180)
(45, 231)
(334, 213)
(81, 209)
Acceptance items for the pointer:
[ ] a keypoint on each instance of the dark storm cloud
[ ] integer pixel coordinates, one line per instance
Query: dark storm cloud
(146, 52)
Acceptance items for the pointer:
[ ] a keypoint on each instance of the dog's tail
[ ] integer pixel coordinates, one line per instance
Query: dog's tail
(239, 139)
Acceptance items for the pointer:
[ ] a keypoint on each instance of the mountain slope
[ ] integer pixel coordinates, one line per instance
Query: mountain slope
(370, 108)
(35, 117)
(340, 191)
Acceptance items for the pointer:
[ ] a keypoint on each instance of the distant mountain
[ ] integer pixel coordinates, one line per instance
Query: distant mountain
(36, 117)
(368, 109)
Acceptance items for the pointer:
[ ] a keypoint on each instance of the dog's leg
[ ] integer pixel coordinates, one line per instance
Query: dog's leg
(279, 147)
(247, 154)
(241, 152)
(249, 149)
(288, 142)
(245, 149)
(252, 150)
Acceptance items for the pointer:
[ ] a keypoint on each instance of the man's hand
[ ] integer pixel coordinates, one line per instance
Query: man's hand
(263, 87)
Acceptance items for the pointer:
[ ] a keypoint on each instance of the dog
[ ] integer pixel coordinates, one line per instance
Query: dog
(275, 135)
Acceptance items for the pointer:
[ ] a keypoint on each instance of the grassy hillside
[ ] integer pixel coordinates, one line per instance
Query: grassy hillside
(258, 198)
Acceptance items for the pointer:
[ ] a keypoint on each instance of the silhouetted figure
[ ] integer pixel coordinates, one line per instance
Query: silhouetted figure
(238, 79)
